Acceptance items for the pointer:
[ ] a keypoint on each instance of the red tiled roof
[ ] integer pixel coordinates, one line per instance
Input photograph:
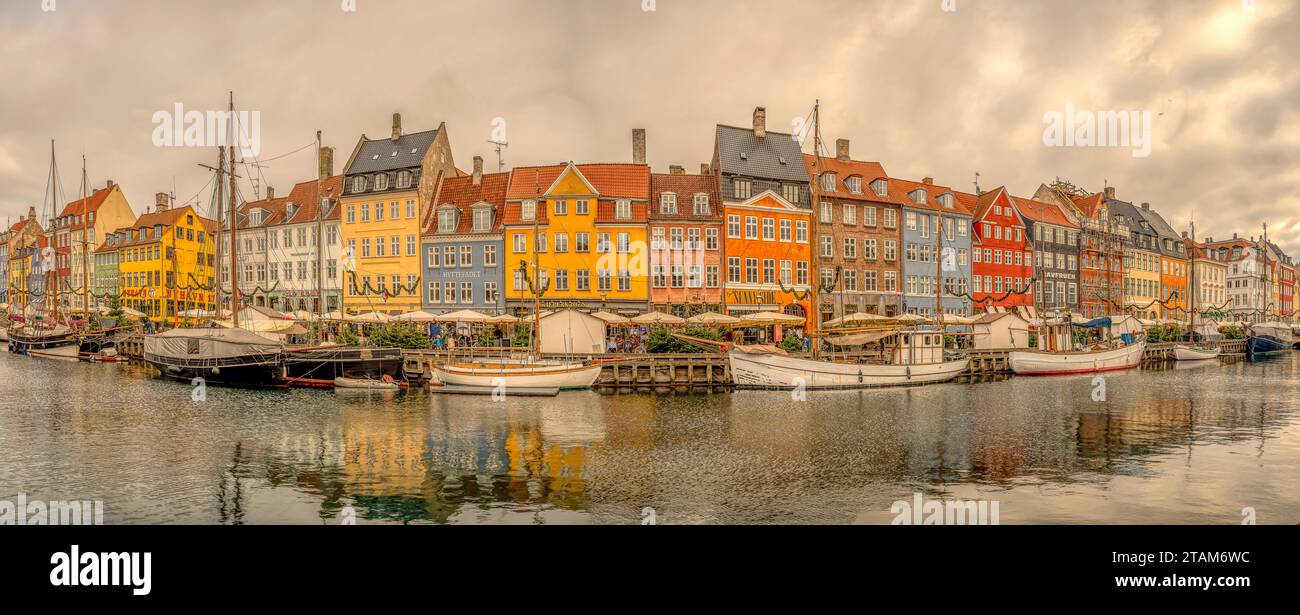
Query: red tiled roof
(1039, 211)
(95, 201)
(903, 188)
(18, 226)
(611, 180)
(1088, 204)
(167, 217)
(307, 200)
(461, 193)
(685, 187)
(274, 207)
(843, 170)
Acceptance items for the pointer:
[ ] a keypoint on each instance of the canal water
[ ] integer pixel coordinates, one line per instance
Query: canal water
(1192, 444)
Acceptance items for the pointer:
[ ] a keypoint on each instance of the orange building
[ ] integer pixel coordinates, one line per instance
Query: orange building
(768, 253)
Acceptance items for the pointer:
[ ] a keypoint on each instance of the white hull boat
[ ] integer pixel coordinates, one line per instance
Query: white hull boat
(1191, 353)
(71, 351)
(524, 375)
(774, 371)
(1038, 363)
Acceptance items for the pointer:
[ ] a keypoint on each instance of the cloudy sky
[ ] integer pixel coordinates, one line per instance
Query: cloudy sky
(924, 90)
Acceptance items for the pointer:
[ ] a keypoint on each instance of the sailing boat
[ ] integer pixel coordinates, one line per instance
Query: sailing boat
(907, 357)
(1190, 352)
(58, 340)
(1272, 336)
(232, 357)
(533, 371)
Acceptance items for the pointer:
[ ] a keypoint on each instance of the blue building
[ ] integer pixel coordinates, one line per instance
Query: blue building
(936, 225)
(463, 246)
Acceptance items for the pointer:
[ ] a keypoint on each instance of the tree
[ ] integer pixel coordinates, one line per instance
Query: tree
(661, 340)
(399, 335)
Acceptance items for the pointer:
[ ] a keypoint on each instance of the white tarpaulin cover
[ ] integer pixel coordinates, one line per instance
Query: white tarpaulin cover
(571, 331)
(209, 344)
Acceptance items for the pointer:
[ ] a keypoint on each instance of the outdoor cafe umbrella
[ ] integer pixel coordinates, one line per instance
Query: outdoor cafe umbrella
(503, 319)
(911, 318)
(657, 318)
(712, 318)
(772, 318)
(371, 317)
(462, 316)
(611, 319)
(855, 318)
(417, 316)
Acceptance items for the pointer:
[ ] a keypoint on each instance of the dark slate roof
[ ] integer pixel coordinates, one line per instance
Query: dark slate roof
(1164, 231)
(763, 157)
(377, 154)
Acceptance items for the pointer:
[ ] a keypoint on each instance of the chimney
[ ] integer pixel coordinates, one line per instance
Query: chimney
(1184, 234)
(109, 184)
(161, 201)
(31, 213)
(676, 169)
(1110, 192)
(326, 162)
(1209, 240)
(1234, 236)
(638, 146)
(760, 122)
(270, 192)
(478, 170)
(397, 126)
(1146, 206)
(929, 181)
(842, 150)
(704, 168)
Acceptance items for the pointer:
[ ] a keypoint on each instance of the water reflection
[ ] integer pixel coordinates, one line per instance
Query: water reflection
(1183, 444)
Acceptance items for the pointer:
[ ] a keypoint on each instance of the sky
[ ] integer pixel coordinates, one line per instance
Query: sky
(938, 88)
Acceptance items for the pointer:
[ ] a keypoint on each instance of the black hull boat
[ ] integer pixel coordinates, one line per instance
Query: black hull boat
(226, 357)
(62, 345)
(320, 366)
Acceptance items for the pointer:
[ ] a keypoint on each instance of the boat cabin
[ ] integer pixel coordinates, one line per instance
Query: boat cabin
(915, 347)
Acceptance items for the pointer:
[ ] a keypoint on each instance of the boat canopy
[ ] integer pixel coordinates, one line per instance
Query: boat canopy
(209, 344)
(1096, 323)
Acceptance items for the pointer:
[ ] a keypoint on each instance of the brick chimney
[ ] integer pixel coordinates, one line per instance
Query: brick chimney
(326, 162)
(638, 146)
(270, 192)
(31, 213)
(109, 184)
(929, 181)
(1110, 192)
(397, 126)
(478, 170)
(1146, 206)
(162, 201)
(760, 122)
(842, 150)
(1209, 240)
(676, 169)
(704, 168)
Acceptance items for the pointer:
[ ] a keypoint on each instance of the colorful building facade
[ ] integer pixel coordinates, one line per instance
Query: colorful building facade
(1056, 254)
(463, 245)
(686, 222)
(579, 232)
(1101, 245)
(167, 261)
(387, 188)
(1002, 257)
(936, 241)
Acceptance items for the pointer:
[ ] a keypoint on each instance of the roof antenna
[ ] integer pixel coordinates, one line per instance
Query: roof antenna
(977, 184)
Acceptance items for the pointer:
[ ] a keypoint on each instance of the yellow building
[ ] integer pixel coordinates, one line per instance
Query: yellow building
(166, 263)
(591, 243)
(387, 187)
(77, 236)
(1142, 282)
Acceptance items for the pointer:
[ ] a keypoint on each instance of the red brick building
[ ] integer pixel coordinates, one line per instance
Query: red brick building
(685, 242)
(1002, 254)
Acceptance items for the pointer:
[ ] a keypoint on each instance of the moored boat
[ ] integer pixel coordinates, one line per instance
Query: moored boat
(532, 374)
(1184, 352)
(231, 357)
(366, 383)
(1268, 338)
(907, 358)
(59, 342)
(1040, 363)
(321, 365)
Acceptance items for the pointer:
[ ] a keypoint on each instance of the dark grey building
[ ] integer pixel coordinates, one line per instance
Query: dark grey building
(752, 160)
(1056, 254)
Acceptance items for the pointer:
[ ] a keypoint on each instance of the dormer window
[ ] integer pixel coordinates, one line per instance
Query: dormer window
(255, 217)
(403, 179)
(381, 181)
(947, 201)
(701, 205)
(358, 184)
(919, 196)
(482, 218)
(854, 184)
(828, 182)
(623, 209)
(528, 210)
(741, 188)
(668, 203)
(446, 219)
(289, 210)
(880, 187)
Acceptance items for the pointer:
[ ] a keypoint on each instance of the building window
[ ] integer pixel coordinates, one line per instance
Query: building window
(701, 204)
(489, 255)
(790, 192)
(741, 188)
(733, 226)
(668, 203)
(528, 210)
(623, 209)
(381, 182)
(560, 207)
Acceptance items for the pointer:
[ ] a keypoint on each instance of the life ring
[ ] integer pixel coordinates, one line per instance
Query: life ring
(387, 379)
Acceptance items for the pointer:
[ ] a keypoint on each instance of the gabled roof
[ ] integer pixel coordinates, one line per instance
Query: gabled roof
(1088, 204)
(1132, 215)
(904, 188)
(166, 218)
(94, 201)
(388, 155)
(307, 200)
(1038, 211)
(610, 180)
(685, 187)
(984, 202)
(461, 193)
(18, 226)
(774, 156)
(274, 209)
(843, 170)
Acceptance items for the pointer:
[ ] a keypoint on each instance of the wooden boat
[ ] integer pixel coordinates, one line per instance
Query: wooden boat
(913, 358)
(530, 374)
(231, 357)
(1268, 338)
(1041, 363)
(60, 342)
(365, 383)
(1194, 353)
(321, 365)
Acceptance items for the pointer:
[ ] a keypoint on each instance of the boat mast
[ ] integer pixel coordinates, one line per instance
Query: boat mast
(538, 206)
(1268, 276)
(53, 272)
(1194, 288)
(85, 243)
(938, 270)
(814, 303)
(320, 232)
(234, 224)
